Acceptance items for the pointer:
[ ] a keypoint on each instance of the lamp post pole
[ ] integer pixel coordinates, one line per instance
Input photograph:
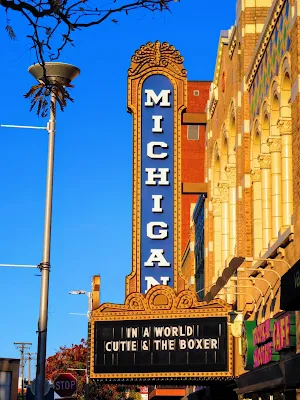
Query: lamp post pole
(45, 264)
(55, 72)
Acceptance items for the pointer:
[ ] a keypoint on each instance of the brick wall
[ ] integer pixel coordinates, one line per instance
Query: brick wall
(192, 156)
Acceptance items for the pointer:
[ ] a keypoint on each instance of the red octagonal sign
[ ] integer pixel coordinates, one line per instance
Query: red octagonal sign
(65, 384)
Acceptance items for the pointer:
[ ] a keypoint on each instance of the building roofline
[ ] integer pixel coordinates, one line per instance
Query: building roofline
(206, 80)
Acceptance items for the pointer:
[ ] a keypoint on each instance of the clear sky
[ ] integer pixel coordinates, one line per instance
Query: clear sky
(93, 166)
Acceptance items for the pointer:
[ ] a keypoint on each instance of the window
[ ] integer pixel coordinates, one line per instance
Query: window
(193, 132)
(198, 218)
(196, 92)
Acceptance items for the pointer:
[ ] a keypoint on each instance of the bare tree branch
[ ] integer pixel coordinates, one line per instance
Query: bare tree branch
(52, 24)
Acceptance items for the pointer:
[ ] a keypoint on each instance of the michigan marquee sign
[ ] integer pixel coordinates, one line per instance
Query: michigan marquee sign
(161, 336)
(161, 332)
(189, 345)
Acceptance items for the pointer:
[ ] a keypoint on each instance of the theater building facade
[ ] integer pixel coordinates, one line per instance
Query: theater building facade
(252, 214)
(212, 301)
(163, 336)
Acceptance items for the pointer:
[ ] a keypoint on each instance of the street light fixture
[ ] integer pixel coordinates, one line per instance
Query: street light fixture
(63, 74)
(78, 292)
(89, 295)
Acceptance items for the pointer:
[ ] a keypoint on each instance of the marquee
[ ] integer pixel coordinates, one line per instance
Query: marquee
(161, 333)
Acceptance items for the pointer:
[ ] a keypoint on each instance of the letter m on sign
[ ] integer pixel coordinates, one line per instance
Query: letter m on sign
(153, 99)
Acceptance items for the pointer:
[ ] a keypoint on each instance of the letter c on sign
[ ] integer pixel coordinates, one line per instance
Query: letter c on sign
(108, 346)
(150, 150)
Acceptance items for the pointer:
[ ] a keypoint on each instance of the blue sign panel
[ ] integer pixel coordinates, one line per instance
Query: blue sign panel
(157, 183)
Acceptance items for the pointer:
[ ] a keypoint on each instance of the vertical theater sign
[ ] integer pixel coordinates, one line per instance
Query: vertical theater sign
(156, 99)
(162, 332)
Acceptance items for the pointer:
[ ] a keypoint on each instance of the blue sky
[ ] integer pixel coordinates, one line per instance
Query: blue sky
(93, 166)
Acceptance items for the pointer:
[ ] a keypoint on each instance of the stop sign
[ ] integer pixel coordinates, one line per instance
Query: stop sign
(65, 384)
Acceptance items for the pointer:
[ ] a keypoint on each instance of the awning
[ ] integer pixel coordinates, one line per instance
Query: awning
(275, 375)
(224, 278)
(258, 380)
(290, 289)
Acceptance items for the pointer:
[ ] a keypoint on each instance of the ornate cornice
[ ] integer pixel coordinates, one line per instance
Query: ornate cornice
(274, 144)
(285, 126)
(156, 54)
(222, 41)
(213, 100)
(232, 41)
(264, 161)
(159, 300)
(264, 39)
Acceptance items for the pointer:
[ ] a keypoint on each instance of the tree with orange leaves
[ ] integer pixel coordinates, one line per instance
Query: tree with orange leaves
(74, 359)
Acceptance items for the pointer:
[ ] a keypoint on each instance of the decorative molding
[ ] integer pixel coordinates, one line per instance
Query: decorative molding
(281, 252)
(223, 41)
(274, 144)
(156, 54)
(232, 42)
(285, 126)
(216, 206)
(264, 39)
(213, 97)
(264, 161)
(255, 175)
(231, 174)
(213, 100)
(157, 300)
(223, 189)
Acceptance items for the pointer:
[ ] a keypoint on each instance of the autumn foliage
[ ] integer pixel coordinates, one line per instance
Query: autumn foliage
(74, 359)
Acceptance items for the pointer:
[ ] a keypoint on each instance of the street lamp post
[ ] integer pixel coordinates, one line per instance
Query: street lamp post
(56, 73)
